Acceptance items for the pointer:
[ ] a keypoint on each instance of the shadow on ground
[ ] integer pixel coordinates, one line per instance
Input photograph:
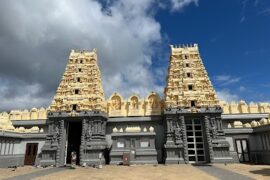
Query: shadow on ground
(263, 172)
(202, 165)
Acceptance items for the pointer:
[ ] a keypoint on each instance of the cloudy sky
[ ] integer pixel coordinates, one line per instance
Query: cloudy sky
(132, 39)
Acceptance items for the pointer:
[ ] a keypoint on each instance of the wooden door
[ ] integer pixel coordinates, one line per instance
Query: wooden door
(30, 153)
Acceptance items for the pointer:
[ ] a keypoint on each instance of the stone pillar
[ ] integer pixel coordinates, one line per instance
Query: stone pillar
(184, 134)
(62, 143)
(218, 145)
(208, 137)
(51, 149)
(93, 142)
(175, 137)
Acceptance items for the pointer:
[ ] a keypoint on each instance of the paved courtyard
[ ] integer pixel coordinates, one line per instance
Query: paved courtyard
(144, 172)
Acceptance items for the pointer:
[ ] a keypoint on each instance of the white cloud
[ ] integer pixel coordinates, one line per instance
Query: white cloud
(179, 4)
(225, 80)
(36, 37)
(242, 88)
(226, 95)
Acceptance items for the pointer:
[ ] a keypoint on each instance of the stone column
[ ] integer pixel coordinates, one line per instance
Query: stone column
(184, 137)
(208, 137)
(60, 154)
(93, 142)
(175, 134)
(83, 142)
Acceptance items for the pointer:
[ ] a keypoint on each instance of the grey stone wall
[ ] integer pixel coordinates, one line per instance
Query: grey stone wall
(13, 147)
(139, 155)
(260, 145)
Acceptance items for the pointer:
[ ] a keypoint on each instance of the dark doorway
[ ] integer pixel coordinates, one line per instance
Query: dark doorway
(74, 140)
(30, 153)
(242, 150)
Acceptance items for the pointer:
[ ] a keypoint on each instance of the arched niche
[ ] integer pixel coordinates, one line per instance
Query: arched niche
(134, 102)
(117, 105)
(135, 106)
(116, 101)
(152, 104)
(153, 101)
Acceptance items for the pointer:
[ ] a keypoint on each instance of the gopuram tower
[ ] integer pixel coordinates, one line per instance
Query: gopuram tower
(194, 131)
(76, 117)
(80, 88)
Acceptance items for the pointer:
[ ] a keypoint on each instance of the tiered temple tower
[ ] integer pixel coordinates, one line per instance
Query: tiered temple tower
(77, 116)
(80, 88)
(188, 84)
(193, 117)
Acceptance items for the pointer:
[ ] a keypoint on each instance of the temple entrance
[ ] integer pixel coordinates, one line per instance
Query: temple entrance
(195, 141)
(74, 132)
(30, 153)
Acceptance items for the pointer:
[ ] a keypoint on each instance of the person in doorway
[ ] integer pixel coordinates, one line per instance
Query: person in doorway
(73, 158)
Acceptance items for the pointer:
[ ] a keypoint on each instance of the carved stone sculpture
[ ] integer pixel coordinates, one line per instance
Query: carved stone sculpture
(178, 134)
(116, 103)
(213, 129)
(134, 102)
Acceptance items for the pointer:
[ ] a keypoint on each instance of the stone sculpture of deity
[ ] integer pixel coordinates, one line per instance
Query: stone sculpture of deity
(153, 102)
(56, 134)
(213, 129)
(134, 103)
(116, 103)
(178, 134)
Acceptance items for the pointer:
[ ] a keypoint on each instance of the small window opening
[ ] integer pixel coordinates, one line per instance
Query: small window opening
(80, 70)
(190, 87)
(187, 65)
(81, 61)
(76, 91)
(189, 75)
(186, 57)
(74, 107)
(78, 79)
(193, 103)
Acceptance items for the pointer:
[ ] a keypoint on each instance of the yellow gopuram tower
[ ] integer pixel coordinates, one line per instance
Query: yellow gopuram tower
(188, 84)
(194, 130)
(80, 88)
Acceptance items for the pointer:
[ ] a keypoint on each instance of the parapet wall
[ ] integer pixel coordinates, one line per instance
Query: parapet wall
(243, 108)
(32, 114)
(152, 104)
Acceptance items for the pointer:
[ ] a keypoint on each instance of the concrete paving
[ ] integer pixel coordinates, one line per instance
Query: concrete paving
(145, 172)
(36, 174)
(261, 172)
(222, 174)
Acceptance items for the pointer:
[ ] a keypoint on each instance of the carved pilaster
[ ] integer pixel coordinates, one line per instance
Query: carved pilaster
(93, 140)
(59, 129)
(208, 136)
(175, 135)
(184, 137)
(83, 141)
